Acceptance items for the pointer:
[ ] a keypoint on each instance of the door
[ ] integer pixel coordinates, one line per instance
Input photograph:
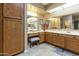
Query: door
(13, 36)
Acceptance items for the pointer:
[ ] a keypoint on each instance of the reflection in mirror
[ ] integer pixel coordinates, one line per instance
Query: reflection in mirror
(67, 22)
(32, 24)
(54, 23)
(76, 22)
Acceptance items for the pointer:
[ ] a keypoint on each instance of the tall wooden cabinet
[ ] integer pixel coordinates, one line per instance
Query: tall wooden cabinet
(11, 28)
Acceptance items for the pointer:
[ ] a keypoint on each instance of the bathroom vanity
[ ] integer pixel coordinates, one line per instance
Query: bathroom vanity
(63, 39)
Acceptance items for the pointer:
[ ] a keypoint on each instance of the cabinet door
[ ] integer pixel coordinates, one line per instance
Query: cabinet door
(72, 45)
(46, 36)
(42, 37)
(13, 10)
(13, 36)
(59, 40)
(49, 37)
(54, 36)
(1, 30)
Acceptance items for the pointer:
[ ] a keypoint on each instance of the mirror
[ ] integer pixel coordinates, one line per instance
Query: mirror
(76, 22)
(32, 24)
(67, 22)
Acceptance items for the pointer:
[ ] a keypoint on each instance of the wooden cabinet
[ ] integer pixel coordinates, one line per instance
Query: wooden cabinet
(11, 29)
(13, 10)
(59, 40)
(72, 44)
(55, 39)
(42, 36)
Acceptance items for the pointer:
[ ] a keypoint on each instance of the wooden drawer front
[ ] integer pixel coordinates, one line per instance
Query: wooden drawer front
(72, 45)
(54, 34)
(68, 36)
(13, 36)
(33, 34)
(13, 10)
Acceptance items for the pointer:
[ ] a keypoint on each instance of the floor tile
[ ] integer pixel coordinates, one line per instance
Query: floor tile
(46, 50)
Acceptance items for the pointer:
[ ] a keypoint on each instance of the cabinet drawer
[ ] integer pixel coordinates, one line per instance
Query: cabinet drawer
(68, 36)
(33, 34)
(54, 34)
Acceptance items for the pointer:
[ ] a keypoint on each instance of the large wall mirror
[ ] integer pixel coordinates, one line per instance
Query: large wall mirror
(32, 24)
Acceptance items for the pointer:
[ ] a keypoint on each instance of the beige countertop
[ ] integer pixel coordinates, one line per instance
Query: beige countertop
(62, 31)
(35, 32)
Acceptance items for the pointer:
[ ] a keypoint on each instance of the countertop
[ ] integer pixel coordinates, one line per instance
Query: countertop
(35, 32)
(62, 31)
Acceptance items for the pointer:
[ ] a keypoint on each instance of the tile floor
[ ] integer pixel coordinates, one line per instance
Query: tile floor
(46, 50)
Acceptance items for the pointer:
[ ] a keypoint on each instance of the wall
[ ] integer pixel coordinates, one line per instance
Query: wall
(25, 26)
(36, 9)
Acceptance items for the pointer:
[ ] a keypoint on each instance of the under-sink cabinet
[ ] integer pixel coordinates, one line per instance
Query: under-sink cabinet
(69, 42)
(72, 43)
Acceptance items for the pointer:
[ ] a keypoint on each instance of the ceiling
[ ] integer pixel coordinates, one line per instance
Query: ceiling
(47, 6)
(45, 3)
